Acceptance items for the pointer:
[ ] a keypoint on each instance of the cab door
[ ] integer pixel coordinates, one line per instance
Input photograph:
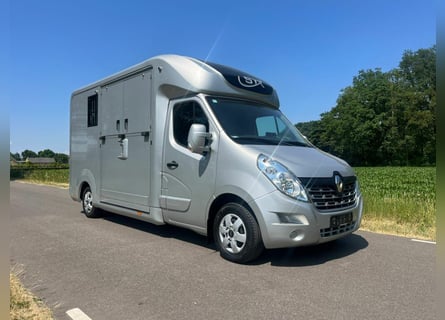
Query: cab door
(188, 179)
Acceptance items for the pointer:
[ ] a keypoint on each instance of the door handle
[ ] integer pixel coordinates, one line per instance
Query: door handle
(172, 165)
(124, 149)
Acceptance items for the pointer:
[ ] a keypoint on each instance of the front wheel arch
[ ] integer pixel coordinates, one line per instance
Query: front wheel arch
(217, 204)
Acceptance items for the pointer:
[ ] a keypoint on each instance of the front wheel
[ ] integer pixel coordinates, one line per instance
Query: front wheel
(87, 204)
(237, 234)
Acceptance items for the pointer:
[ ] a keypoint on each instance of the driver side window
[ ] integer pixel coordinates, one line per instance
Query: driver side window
(184, 115)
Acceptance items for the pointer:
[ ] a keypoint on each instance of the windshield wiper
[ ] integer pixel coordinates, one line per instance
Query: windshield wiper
(293, 143)
(260, 140)
(253, 140)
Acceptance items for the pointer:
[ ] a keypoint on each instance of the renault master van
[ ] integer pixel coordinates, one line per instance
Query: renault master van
(180, 141)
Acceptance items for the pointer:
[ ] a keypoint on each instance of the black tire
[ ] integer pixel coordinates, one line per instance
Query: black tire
(87, 204)
(237, 234)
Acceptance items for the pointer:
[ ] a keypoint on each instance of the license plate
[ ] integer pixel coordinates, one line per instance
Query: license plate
(341, 220)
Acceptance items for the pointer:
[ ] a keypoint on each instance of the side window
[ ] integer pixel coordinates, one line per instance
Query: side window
(92, 111)
(184, 115)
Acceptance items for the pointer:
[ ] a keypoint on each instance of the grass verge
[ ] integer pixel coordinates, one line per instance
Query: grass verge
(23, 304)
(54, 176)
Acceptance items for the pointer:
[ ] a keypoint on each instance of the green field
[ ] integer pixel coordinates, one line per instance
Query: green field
(398, 200)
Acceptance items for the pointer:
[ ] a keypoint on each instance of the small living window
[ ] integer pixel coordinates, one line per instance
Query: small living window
(92, 111)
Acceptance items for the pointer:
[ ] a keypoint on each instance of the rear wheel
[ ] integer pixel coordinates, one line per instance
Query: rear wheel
(237, 234)
(87, 204)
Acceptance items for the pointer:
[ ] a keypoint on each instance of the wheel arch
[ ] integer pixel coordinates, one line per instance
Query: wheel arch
(217, 204)
(82, 188)
(87, 179)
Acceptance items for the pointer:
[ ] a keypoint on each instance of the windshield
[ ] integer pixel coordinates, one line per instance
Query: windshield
(250, 123)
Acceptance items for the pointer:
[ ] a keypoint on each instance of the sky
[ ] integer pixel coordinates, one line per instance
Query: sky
(307, 50)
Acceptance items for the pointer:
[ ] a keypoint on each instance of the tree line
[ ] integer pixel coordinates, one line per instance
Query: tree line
(383, 118)
(47, 153)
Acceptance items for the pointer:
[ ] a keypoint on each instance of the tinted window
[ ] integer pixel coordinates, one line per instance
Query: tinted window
(184, 115)
(92, 111)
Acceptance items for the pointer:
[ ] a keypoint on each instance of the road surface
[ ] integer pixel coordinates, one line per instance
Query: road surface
(119, 268)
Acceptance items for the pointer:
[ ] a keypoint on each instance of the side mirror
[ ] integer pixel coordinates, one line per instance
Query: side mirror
(197, 138)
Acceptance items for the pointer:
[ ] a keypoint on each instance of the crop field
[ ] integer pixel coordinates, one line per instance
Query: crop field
(399, 200)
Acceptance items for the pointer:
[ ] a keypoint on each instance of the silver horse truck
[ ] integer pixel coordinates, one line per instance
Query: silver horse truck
(204, 146)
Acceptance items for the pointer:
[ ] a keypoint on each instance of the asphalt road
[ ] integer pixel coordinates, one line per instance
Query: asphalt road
(120, 268)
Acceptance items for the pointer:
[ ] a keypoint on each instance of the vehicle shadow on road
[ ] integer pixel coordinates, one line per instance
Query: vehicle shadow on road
(314, 255)
(165, 231)
(288, 257)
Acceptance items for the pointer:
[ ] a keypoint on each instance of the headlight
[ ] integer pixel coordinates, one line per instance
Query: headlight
(281, 177)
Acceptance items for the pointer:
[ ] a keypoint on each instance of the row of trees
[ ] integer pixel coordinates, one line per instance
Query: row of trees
(383, 118)
(47, 153)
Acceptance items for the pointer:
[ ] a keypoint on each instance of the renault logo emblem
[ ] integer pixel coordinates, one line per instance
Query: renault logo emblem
(338, 183)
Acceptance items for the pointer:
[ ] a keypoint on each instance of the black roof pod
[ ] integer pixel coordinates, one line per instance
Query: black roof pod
(241, 79)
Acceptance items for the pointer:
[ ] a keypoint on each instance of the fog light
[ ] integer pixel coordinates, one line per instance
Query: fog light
(296, 235)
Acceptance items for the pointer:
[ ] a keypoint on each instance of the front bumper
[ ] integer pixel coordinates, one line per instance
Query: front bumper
(285, 222)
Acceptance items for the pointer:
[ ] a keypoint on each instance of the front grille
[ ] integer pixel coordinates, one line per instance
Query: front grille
(324, 195)
(329, 232)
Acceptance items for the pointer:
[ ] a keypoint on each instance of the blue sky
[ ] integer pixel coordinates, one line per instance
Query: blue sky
(307, 50)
